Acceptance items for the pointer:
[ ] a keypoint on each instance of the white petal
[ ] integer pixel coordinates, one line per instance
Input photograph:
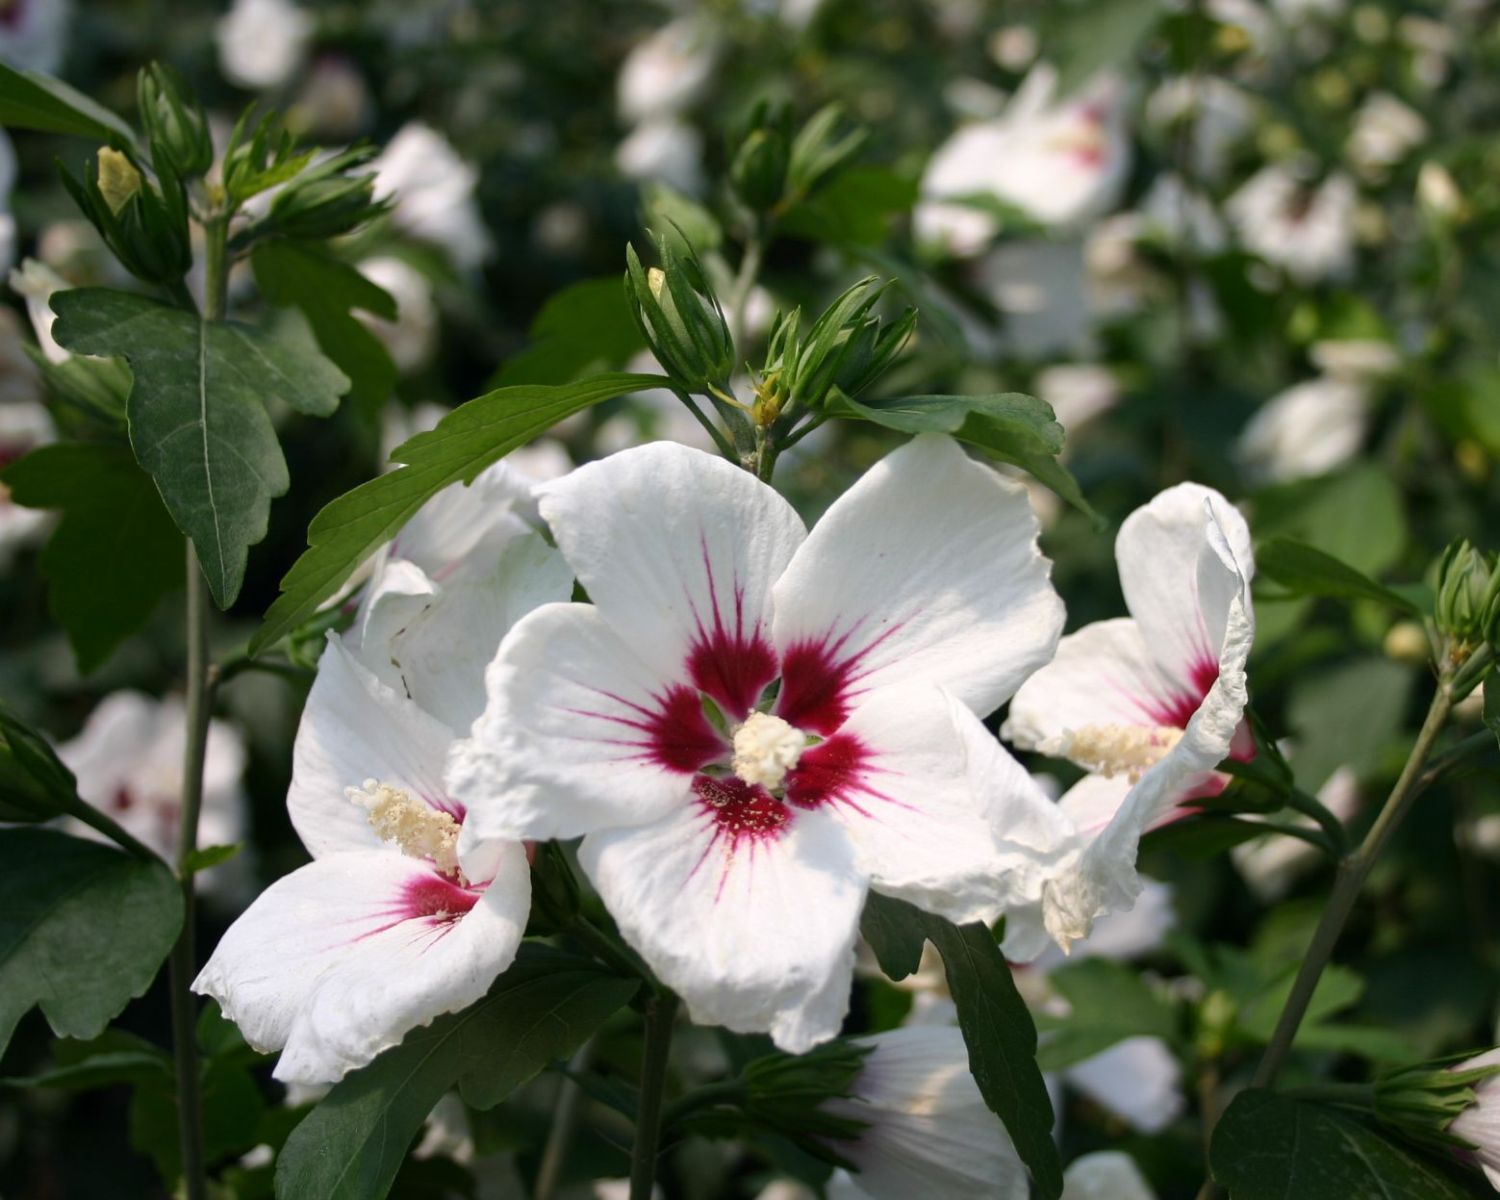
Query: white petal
(338, 960)
(930, 1133)
(438, 653)
(1183, 557)
(925, 571)
(896, 777)
(579, 734)
(1138, 1080)
(755, 929)
(1105, 1175)
(1103, 675)
(356, 728)
(678, 550)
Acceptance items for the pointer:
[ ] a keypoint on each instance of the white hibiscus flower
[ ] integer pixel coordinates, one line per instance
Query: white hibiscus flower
(751, 724)
(433, 190)
(34, 34)
(1307, 231)
(262, 43)
(1309, 429)
(1149, 704)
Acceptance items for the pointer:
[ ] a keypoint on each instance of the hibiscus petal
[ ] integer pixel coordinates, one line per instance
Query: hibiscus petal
(579, 734)
(466, 524)
(925, 572)
(1138, 1080)
(337, 961)
(356, 728)
(437, 652)
(749, 913)
(896, 776)
(1183, 557)
(1103, 675)
(678, 550)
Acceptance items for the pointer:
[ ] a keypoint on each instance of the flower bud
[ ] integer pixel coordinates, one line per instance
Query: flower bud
(1468, 594)
(175, 124)
(118, 180)
(758, 170)
(144, 222)
(323, 207)
(847, 349)
(680, 317)
(790, 1095)
(819, 151)
(1452, 1105)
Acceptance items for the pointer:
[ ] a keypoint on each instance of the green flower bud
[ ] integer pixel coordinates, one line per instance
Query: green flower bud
(144, 222)
(1433, 1103)
(784, 1094)
(1468, 596)
(679, 316)
(323, 206)
(847, 349)
(819, 151)
(758, 170)
(174, 123)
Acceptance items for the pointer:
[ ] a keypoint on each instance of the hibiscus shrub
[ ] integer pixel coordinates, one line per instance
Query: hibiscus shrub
(575, 650)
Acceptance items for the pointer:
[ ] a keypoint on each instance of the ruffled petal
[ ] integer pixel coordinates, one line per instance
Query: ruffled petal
(745, 907)
(1183, 558)
(356, 728)
(578, 734)
(925, 572)
(340, 959)
(678, 550)
(436, 647)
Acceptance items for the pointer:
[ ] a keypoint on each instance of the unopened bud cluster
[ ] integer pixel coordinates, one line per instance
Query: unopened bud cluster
(774, 169)
(678, 314)
(1468, 598)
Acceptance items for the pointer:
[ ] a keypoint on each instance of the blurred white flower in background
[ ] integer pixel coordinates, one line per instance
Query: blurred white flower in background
(1212, 112)
(1385, 132)
(24, 425)
(669, 70)
(128, 760)
(1270, 865)
(928, 1130)
(663, 150)
(1042, 290)
(1182, 217)
(8, 171)
(1307, 430)
(1105, 1175)
(262, 43)
(433, 188)
(1077, 392)
(34, 34)
(1307, 231)
(35, 283)
(412, 337)
(1062, 162)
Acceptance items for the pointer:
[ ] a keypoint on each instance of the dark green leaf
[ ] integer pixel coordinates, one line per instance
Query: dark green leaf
(465, 442)
(232, 1106)
(351, 1146)
(96, 386)
(857, 206)
(83, 929)
(1085, 38)
(34, 783)
(1012, 427)
(1346, 716)
(583, 328)
(1108, 1003)
(1306, 571)
(1271, 1147)
(31, 100)
(1492, 704)
(209, 856)
(114, 554)
(1356, 516)
(328, 290)
(112, 1058)
(197, 415)
(896, 932)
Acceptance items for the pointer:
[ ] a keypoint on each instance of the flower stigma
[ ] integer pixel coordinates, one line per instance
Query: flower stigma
(765, 749)
(404, 821)
(1111, 750)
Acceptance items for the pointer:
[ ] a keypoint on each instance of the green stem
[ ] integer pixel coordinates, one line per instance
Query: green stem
(182, 967)
(1354, 869)
(91, 816)
(661, 1011)
(744, 284)
(564, 1122)
(1333, 828)
(726, 447)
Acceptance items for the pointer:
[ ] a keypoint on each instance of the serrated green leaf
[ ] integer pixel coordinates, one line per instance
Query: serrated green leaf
(197, 416)
(1012, 427)
(83, 929)
(1307, 571)
(327, 291)
(114, 554)
(465, 442)
(32, 100)
(1271, 1147)
(542, 1009)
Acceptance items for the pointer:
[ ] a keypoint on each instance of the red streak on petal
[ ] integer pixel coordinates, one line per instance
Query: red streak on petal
(741, 811)
(733, 665)
(818, 678)
(681, 739)
(436, 897)
(830, 773)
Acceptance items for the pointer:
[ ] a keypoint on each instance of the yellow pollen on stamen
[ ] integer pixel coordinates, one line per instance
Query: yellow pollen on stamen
(765, 749)
(1129, 750)
(399, 818)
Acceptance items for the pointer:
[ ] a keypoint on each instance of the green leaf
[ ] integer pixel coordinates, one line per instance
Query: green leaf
(1492, 704)
(114, 554)
(995, 1021)
(1346, 715)
(583, 328)
(327, 290)
(1109, 1002)
(209, 856)
(32, 100)
(896, 933)
(465, 442)
(542, 1009)
(83, 929)
(857, 206)
(1307, 571)
(1012, 427)
(1083, 39)
(1338, 988)
(197, 415)
(1272, 1147)
(114, 1057)
(1355, 515)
